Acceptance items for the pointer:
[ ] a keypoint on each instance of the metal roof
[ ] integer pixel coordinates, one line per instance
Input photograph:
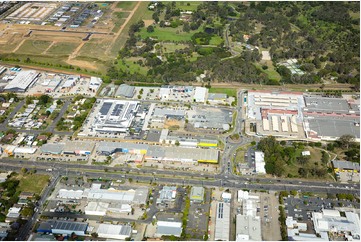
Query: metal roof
(169, 228)
(63, 225)
(52, 148)
(22, 80)
(111, 229)
(324, 104)
(197, 193)
(125, 91)
(347, 165)
(222, 221)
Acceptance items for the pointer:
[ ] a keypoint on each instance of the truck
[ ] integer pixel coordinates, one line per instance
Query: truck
(49, 169)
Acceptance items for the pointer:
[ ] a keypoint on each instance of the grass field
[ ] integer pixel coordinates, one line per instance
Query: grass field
(167, 34)
(33, 46)
(172, 47)
(62, 48)
(95, 49)
(32, 183)
(126, 6)
(216, 40)
(271, 72)
(188, 6)
(129, 65)
(229, 91)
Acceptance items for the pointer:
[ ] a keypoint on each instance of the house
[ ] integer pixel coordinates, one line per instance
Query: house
(26, 195)
(42, 138)
(13, 214)
(8, 138)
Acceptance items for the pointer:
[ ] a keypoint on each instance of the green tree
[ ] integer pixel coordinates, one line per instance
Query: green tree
(150, 29)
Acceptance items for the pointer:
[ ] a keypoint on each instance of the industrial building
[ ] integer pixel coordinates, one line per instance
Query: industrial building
(248, 228)
(168, 228)
(125, 90)
(111, 231)
(217, 98)
(63, 227)
(210, 118)
(200, 94)
(222, 227)
(114, 116)
(332, 221)
(95, 83)
(137, 196)
(22, 81)
(70, 194)
(197, 194)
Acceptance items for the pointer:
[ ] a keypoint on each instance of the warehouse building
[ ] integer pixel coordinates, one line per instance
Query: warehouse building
(95, 83)
(96, 208)
(168, 228)
(197, 194)
(217, 98)
(222, 221)
(70, 194)
(182, 154)
(259, 162)
(137, 196)
(115, 116)
(210, 118)
(125, 90)
(22, 81)
(111, 231)
(24, 150)
(63, 227)
(54, 149)
(248, 228)
(167, 194)
(78, 148)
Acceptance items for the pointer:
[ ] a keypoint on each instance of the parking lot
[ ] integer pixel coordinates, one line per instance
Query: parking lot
(198, 217)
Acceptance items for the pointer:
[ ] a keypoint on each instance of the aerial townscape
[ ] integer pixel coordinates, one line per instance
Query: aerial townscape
(179, 121)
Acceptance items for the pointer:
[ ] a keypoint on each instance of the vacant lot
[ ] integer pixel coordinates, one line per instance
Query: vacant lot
(34, 46)
(231, 92)
(32, 183)
(126, 6)
(62, 48)
(172, 47)
(188, 6)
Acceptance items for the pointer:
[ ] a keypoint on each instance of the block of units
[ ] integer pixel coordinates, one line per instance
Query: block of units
(275, 126)
(284, 124)
(265, 123)
(294, 127)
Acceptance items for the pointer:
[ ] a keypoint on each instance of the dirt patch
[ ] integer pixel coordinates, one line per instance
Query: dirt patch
(148, 22)
(82, 64)
(172, 123)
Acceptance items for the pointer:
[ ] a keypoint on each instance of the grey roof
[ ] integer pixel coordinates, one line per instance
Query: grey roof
(111, 146)
(222, 221)
(125, 91)
(217, 96)
(72, 146)
(181, 153)
(326, 104)
(165, 230)
(52, 148)
(63, 225)
(249, 225)
(168, 112)
(334, 127)
(347, 165)
(197, 192)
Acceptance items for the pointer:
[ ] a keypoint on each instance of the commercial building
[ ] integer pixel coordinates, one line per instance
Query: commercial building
(217, 98)
(125, 90)
(96, 208)
(332, 221)
(70, 82)
(109, 148)
(168, 228)
(167, 194)
(222, 221)
(22, 81)
(114, 116)
(54, 149)
(259, 162)
(95, 83)
(248, 228)
(111, 231)
(78, 148)
(63, 227)
(24, 150)
(197, 194)
(345, 166)
(200, 94)
(137, 196)
(210, 118)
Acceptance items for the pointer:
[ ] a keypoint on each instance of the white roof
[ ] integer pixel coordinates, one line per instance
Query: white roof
(330, 212)
(169, 224)
(72, 194)
(200, 94)
(226, 195)
(114, 231)
(22, 80)
(259, 162)
(306, 152)
(24, 150)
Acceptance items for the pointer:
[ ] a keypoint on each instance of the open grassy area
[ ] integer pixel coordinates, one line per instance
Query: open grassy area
(172, 47)
(95, 49)
(126, 5)
(216, 40)
(229, 91)
(167, 34)
(33, 46)
(271, 71)
(188, 6)
(129, 65)
(32, 183)
(62, 48)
